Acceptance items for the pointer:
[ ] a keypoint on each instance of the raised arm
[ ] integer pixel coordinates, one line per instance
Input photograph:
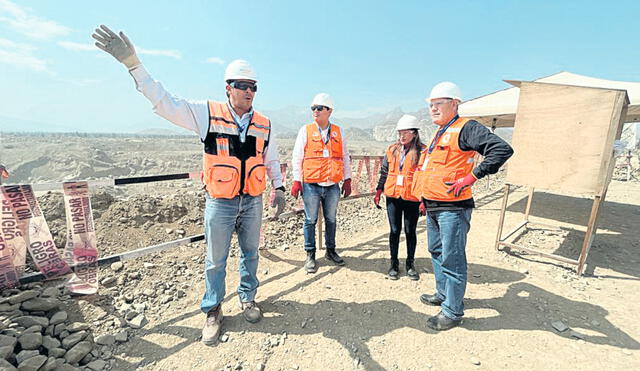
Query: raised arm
(191, 115)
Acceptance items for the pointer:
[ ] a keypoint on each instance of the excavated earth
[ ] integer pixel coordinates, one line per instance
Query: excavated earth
(522, 311)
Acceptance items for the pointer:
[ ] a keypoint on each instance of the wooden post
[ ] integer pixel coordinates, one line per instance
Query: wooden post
(319, 225)
(503, 210)
(528, 208)
(591, 231)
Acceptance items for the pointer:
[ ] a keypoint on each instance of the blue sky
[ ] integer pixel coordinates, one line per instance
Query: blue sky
(370, 56)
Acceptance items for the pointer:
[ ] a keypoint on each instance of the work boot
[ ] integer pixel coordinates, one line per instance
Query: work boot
(440, 322)
(332, 255)
(212, 326)
(412, 272)
(251, 311)
(310, 264)
(431, 299)
(394, 270)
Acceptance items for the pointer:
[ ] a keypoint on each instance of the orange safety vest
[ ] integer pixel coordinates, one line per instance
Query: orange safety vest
(323, 162)
(399, 181)
(232, 168)
(445, 164)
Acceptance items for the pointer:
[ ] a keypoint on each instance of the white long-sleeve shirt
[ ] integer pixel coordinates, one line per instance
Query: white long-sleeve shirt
(194, 116)
(298, 154)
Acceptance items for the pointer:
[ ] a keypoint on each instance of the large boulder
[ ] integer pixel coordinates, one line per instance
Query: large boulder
(78, 352)
(33, 363)
(28, 321)
(30, 341)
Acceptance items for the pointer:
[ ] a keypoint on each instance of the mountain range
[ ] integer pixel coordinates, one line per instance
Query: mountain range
(378, 126)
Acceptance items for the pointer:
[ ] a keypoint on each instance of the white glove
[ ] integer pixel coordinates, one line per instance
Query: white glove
(278, 202)
(118, 46)
(619, 147)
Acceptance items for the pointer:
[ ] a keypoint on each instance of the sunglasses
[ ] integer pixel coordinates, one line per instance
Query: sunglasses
(319, 108)
(242, 85)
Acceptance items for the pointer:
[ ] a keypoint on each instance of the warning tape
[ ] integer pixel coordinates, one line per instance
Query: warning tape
(81, 267)
(80, 250)
(12, 257)
(34, 277)
(57, 186)
(34, 231)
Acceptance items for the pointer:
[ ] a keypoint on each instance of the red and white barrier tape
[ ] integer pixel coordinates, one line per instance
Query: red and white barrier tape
(80, 250)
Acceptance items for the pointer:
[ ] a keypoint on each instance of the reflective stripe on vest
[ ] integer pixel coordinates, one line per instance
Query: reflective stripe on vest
(445, 164)
(221, 120)
(323, 162)
(223, 173)
(222, 146)
(399, 181)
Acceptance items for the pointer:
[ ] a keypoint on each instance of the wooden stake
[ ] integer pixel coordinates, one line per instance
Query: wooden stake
(503, 210)
(536, 252)
(591, 231)
(528, 208)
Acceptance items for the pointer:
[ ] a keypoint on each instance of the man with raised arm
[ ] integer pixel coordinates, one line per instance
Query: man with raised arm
(238, 152)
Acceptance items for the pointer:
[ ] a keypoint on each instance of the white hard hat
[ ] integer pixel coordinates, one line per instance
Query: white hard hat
(445, 89)
(322, 99)
(407, 122)
(240, 70)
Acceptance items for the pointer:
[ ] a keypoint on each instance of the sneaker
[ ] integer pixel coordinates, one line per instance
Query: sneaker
(394, 270)
(310, 264)
(212, 326)
(333, 256)
(412, 272)
(440, 322)
(251, 311)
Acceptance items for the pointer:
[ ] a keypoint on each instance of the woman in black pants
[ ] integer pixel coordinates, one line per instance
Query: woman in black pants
(396, 176)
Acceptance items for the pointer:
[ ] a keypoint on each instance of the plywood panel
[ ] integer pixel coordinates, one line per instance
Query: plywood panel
(563, 137)
(615, 132)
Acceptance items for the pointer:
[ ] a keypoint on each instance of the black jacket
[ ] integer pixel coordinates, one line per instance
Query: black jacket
(476, 137)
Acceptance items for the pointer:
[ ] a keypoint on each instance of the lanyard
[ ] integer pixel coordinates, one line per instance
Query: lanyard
(237, 119)
(403, 155)
(328, 134)
(440, 132)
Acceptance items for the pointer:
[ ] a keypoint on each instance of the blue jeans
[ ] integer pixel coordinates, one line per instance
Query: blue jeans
(242, 214)
(313, 195)
(447, 238)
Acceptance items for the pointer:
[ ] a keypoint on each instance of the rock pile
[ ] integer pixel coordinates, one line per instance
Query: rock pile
(36, 333)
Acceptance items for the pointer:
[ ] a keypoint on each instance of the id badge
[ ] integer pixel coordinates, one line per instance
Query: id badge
(325, 153)
(399, 180)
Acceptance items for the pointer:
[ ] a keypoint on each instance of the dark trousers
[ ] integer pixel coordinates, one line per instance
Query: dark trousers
(398, 210)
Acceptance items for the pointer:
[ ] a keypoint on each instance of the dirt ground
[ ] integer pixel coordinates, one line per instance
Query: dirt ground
(352, 317)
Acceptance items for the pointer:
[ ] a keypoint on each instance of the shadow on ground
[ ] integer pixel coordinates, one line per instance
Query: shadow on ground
(618, 249)
(524, 307)
(527, 307)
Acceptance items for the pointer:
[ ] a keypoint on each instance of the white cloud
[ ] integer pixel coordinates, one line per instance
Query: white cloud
(78, 46)
(81, 47)
(21, 20)
(159, 52)
(216, 60)
(20, 55)
(18, 47)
